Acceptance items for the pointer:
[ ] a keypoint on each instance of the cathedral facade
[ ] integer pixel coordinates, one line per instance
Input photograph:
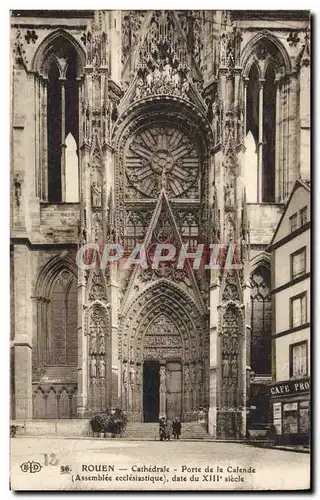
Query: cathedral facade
(186, 128)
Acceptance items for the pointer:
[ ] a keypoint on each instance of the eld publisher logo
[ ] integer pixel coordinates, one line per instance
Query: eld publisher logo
(31, 467)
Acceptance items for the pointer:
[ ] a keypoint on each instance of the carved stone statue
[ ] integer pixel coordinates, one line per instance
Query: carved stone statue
(101, 343)
(176, 78)
(225, 367)
(234, 367)
(125, 375)
(228, 195)
(193, 374)
(234, 342)
(163, 378)
(132, 375)
(138, 377)
(102, 368)
(149, 78)
(139, 88)
(93, 367)
(93, 339)
(185, 86)
(167, 71)
(96, 195)
(163, 179)
(17, 188)
(223, 49)
(187, 381)
(200, 373)
(156, 74)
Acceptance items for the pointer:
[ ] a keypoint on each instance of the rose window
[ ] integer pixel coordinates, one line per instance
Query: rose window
(157, 151)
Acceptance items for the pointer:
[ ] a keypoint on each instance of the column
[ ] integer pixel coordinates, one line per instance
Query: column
(44, 188)
(82, 393)
(22, 333)
(162, 392)
(63, 138)
(245, 88)
(278, 192)
(246, 355)
(213, 354)
(304, 119)
(36, 130)
(260, 141)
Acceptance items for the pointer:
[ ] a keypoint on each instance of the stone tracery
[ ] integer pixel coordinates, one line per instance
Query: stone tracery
(158, 149)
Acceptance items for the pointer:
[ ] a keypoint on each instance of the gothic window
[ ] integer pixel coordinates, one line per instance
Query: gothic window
(266, 121)
(62, 114)
(269, 128)
(57, 69)
(261, 321)
(62, 339)
(261, 126)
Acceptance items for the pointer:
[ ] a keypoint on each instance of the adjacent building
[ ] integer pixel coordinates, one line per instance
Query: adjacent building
(291, 295)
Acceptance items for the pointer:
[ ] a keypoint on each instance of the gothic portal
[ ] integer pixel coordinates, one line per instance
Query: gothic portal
(184, 128)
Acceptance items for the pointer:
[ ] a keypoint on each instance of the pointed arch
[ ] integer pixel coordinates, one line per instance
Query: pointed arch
(57, 65)
(56, 339)
(45, 51)
(161, 297)
(50, 270)
(265, 62)
(248, 55)
(262, 259)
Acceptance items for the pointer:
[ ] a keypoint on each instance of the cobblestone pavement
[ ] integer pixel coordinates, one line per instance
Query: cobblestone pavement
(89, 464)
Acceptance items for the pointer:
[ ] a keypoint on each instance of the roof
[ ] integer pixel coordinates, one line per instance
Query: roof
(298, 183)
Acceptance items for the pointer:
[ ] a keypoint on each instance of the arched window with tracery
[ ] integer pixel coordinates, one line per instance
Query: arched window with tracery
(266, 122)
(58, 66)
(261, 321)
(62, 334)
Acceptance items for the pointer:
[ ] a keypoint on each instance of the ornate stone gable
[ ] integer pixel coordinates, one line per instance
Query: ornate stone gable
(230, 286)
(131, 24)
(162, 229)
(96, 286)
(167, 58)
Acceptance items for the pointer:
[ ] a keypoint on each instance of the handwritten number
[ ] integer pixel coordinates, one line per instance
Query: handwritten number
(50, 459)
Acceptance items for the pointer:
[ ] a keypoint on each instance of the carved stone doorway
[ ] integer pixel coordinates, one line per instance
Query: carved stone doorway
(151, 384)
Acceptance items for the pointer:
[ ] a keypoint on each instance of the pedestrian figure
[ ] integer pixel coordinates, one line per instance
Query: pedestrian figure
(162, 429)
(169, 430)
(177, 427)
(174, 426)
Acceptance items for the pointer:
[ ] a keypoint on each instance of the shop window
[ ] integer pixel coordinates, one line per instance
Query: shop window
(290, 418)
(299, 359)
(293, 222)
(298, 263)
(304, 417)
(298, 310)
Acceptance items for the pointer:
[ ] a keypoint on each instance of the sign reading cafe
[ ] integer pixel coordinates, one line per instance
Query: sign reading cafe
(290, 387)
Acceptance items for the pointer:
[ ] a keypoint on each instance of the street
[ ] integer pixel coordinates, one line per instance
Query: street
(113, 464)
